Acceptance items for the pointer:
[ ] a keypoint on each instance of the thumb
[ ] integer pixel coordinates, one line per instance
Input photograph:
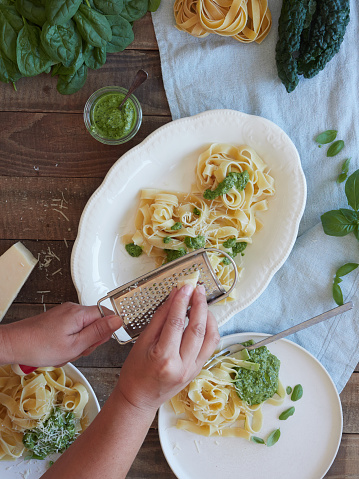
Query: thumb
(99, 331)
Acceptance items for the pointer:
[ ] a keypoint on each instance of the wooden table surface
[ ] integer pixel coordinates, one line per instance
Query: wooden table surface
(47, 154)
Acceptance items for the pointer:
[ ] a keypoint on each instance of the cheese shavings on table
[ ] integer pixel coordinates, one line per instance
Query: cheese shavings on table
(16, 265)
(232, 186)
(41, 413)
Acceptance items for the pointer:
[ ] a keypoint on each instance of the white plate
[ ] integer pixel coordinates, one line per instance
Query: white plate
(34, 469)
(167, 160)
(309, 439)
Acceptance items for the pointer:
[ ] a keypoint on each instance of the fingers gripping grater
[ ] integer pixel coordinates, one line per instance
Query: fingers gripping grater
(137, 301)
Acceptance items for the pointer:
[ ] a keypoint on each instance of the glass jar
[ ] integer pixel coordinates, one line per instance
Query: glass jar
(106, 122)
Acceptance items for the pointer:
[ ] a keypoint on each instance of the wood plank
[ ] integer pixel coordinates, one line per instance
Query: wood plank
(349, 398)
(58, 145)
(28, 211)
(145, 38)
(346, 464)
(39, 94)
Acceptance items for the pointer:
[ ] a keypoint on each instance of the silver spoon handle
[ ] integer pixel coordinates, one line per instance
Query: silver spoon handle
(310, 322)
(140, 77)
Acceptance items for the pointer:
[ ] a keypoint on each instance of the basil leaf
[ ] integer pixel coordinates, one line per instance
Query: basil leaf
(257, 440)
(337, 280)
(346, 269)
(93, 26)
(342, 177)
(96, 58)
(33, 10)
(109, 7)
(350, 215)
(356, 232)
(286, 414)
(122, 33)
(326, 137)
(134, 9)
(335, 148)
(297, 392)
(337, 294)
(288, 390)
(345, 167)
(69, 84)
(273, 438)
(61, 42)
(31, 56)
(153, 5)
(10, 25)
(59, 12)
(336, 224)
(352, 190)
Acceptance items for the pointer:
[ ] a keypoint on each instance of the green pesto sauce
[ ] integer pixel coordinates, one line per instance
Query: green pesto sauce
(111, 122)
(255, 387)
(232, 180)
(172, 254)
(195, 243)
(133, 250)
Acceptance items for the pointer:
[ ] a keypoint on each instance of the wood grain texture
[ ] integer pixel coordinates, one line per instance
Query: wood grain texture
(49, 145)
(39, 94)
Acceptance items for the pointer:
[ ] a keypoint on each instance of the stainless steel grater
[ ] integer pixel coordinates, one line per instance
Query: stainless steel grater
(137, 301)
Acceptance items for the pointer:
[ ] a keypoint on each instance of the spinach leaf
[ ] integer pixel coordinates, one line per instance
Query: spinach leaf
(134, 9)
(122, 33)
(59, 12)
(109, 7)
(153, 5)
(33, 10)
(326, 137)
(69, 84)
(10, 25)
(297, 392)
(31, 56)
(71, 69)
(9, 71)
(61, 42)
(93, 26)
(335, 223)
(352, 190)
(286, 414)
(96, 58)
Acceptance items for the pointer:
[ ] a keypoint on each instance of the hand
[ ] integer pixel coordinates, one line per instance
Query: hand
(166, 356)
(62, 334)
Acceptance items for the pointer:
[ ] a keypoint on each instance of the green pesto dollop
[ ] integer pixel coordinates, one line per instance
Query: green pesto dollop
(133, 250)
(195, 243)
(237, 247)
(172, 254)
(111, 122)
(255, 387)
(232, 180)
(167, 239)
(176, 226)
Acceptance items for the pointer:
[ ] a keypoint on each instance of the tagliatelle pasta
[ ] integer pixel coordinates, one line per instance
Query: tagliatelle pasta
(27, 401)
(212, 406)
(244, 20)
(169, 224)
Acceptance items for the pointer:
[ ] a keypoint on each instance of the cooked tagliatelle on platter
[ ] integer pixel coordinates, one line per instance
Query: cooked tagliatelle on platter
(232, 185)
(227, 398)
(244, 20)
(40, 413)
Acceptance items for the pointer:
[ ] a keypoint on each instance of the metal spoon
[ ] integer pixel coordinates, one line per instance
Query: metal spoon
(294, 329)
(140, 77)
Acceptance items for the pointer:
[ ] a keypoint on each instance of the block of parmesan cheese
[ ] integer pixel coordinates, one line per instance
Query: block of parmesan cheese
(189, 279)
(15, 266)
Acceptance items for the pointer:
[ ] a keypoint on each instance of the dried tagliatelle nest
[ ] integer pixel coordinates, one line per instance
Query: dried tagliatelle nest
(245, 20)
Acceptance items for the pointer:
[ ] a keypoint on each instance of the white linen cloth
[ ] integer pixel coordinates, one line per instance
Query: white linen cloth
(215, 72)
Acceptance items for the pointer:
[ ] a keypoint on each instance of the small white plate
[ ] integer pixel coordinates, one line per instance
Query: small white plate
(167, 160)
(309, 439)
(34, 469)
